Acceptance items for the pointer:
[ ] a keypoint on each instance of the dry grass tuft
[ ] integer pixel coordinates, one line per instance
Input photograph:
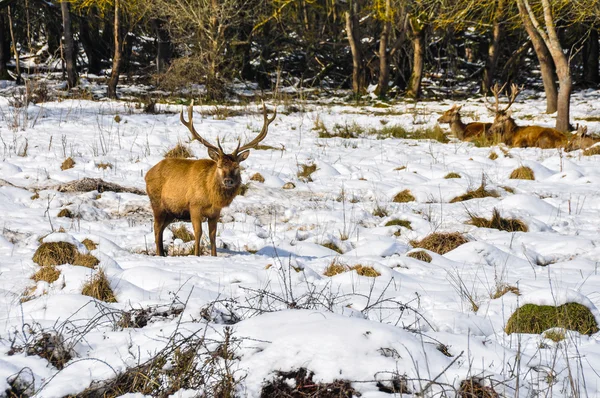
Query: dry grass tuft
(48, 274)
(473, 388)
(535, 319)
(89, 244)
(440, 243)
(504, 288)
(306, 171)
(493, 155)
(420, 255)
(55, 253)
(257, 177)
(104, 165)
(478, 193)
(243, 189)
(555, 335)
(86, 260)
(404, 197)
(65, 213)
(179, 151)
(366, 270)
(335, 268)
(332, 246)
(181, 232)
(380, 211)
(35, 196)
(508, 189)
(69, 163)
(452, 175)
(595, 150)
(99, 288)
(522, 173)
(402, 223)
(498, 222)
(299, 383)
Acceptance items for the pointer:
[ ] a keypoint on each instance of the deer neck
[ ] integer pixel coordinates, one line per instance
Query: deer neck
(222, 197)
(457, 127)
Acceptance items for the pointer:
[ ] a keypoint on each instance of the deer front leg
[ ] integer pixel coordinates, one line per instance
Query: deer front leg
(160, 222)
(196, 218)
(212, 234)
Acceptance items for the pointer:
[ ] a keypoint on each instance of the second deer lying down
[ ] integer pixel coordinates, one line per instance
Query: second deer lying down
(462, 131)
(191, 190)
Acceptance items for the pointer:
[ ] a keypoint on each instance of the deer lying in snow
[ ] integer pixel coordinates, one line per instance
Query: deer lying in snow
(462, 131)
(192, 190)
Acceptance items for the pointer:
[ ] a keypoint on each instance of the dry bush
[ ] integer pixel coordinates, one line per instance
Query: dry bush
(299, 383)
(181, 232)
(420, 255)
(555, 335)
(522, 173)
(478, 193)
(257, 177)
(65, 213)
(502, 289)
(180, 150)
(89, 244)
(68, 163)
(352, 130)
(403, 197)
(498, 222)
(51, 346)
(306, 171)
(35, 196)
(473, 388)
(47, 273)
(55, 253)
(332, 246)
(493, 155)
(365, 270)
(104, 165)
(86, 260)
(139, 318)
(335, 267)
(380, 211)
(99, 288)
(452, 175)
(440, 243)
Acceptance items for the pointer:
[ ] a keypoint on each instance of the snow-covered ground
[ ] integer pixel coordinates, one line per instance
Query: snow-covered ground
(268, 280)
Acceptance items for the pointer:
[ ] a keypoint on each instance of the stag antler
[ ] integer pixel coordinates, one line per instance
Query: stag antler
(496, 90)
(190, 125)
(261, 136)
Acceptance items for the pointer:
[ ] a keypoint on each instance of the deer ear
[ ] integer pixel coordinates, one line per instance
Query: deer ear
(213, 154)
(243, 156)
(458, 107)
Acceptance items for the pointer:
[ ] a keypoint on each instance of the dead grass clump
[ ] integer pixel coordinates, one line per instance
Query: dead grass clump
(440, 243)
(69, 163)
(89, 244)
(595, 150)
(65, 213)
(243, 189)
(179, 151)
(452, 175)
(508, 189)
(366, 270)
(104, 165)
(332, 246)
(51, 346)
(404, 197)
(420, 255)
(181, 232)
(335, 267)
(55, 253)
(473, 388)
(299, 383)
(48, 274)
(478, 193)
(522, 173)
(85, 260)
(504, 288)
(35, 196)
(535, 319)
(99, 288)
(498, 222)
(257, 177)
(306, 171)
(401, 223)
(380, 211)
(493, 155)
(555, 335)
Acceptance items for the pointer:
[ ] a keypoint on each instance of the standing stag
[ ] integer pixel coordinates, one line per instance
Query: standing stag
(193, 190)
(504, 126)
(465, 132)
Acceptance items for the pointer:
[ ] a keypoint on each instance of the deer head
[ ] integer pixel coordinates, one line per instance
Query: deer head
(450, 114)
(503, 122)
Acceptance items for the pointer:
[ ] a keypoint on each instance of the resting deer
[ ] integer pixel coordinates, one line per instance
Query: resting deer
(581, 140)
(511, 134)
(465, 132)
(192, 190)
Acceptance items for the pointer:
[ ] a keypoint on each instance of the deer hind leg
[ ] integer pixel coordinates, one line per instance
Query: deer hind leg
(212, 234)
(161, 221)
(196, 218)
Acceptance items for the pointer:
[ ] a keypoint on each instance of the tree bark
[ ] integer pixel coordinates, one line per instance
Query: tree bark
(90, 37)
(544, 58)
(116, 64)
(4, 48)
(355, 48)
(69, 45)
(417, 31)
(494, 48)
(163, 45)
(591, 54)
(384, 66)
(14, 45)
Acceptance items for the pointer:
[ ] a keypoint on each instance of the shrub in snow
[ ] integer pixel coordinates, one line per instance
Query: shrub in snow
(69, 163)
(58, 253)
(299, 383)
(420, 255)
(478, 193)
(522, 173)
(179, 151)
(404, 196)
(440, 243)
(99, 288)
(535, 319)
(498, 222)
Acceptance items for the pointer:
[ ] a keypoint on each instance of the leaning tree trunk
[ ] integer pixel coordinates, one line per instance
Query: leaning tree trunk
(4, 48)
(417, 31)
(493, 49)
(591, 54)
(355, 48)
(384, 66)
(544, 58)
(14, 45)
(114, 76)
(69, 45)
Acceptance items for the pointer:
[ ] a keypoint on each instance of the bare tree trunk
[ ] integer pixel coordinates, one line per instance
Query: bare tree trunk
(494, 48)
(544, 58)
(355, 48)
(69, 45)
(163, 45)
(90, 37)
(4, 48)
(591, 54)
(417, 32)
(114, 76)
(384, 67)
(14, 45)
